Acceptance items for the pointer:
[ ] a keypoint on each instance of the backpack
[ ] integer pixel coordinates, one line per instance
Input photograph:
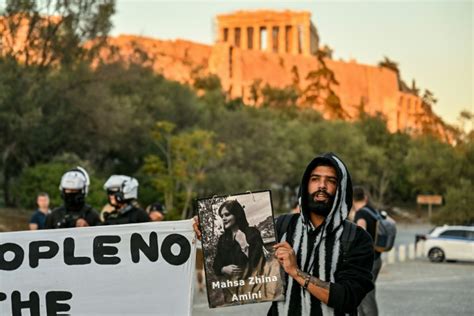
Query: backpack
(385, 230)
(347, 237)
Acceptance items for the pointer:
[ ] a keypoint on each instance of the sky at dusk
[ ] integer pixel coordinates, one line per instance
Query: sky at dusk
(431, 40)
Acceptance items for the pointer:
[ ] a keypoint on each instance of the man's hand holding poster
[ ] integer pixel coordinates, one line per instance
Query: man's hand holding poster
(237, 236)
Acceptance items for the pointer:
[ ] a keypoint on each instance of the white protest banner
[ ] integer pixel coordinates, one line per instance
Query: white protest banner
(136, 269)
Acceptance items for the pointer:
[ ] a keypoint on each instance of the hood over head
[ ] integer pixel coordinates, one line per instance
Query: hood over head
(343, 196)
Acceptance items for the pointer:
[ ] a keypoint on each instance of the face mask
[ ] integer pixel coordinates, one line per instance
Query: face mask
(74, 201)
(319, 207)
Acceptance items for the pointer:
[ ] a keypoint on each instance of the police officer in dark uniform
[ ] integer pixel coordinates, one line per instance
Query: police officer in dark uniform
(122, 192)
(75, 212)
(156, 212)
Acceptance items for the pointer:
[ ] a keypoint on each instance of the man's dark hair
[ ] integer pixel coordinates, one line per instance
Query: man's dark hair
(42, 194)
(326, 163)
(358, 193)
(237, 210)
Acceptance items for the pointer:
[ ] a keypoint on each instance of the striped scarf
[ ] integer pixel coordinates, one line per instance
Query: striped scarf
(322, 256)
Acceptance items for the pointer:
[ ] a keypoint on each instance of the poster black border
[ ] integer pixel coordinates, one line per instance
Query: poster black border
(202, 231)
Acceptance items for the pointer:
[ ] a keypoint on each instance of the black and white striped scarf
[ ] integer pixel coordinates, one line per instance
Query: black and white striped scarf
(322, 259)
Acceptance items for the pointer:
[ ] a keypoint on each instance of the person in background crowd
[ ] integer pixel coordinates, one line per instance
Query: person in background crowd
(363, 218)
(38, 220)
(156, 212)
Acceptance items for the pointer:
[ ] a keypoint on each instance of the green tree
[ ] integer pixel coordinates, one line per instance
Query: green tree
(279, 98)
(256, 91)
(295, 79)
(207, 83)
(386, 178)
(320, 92)
(344, 139)
(45, 33)
(31, 96)
(183, 161)
(428, 98)
(253, 165)
(457, 209)
(433, 166)
(390, 64)
(45, 177)
(326, 51)
(414, 88)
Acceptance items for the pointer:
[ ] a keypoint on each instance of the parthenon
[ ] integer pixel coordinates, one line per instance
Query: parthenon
(271, 31)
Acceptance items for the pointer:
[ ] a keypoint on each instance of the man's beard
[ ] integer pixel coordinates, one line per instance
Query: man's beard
(322, 208)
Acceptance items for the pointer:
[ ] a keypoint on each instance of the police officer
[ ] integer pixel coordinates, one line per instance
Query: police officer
(74, 187)
(156, 212)
(122, 192)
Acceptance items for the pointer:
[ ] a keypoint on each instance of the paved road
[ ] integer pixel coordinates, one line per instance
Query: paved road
(410, 288)
(424, 288)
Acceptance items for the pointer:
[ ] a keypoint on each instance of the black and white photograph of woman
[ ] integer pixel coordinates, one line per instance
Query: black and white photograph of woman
(238, 234)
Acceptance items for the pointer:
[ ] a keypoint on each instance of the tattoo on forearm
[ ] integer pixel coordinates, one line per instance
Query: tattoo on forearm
(312, 279)
(319, 283)
(302, 274)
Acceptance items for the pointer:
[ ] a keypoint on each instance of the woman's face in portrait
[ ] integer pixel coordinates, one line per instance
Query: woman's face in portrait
(227, 218)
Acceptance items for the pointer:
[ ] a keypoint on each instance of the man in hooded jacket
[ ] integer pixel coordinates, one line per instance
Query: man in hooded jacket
(324, 276)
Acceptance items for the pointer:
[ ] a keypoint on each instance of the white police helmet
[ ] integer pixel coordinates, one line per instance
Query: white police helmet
(124, 187)
(75, 179)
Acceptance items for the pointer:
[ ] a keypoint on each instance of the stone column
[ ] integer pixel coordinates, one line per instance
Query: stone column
(231, 36)
(243, 38)
(281, 38)
(256, 37)
(294, 38)
(269, 38)
(306, 39)
(220, 34)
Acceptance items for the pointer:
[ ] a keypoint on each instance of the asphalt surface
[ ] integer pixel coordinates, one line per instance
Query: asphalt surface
(410, 288)
(424, 288)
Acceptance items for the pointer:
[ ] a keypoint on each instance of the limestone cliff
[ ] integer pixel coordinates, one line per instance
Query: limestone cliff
(369, 88)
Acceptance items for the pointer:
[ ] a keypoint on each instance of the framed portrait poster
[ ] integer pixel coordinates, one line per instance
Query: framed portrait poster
(238, 234)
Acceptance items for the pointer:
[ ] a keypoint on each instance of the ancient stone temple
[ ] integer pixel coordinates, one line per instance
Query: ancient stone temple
(271, 31)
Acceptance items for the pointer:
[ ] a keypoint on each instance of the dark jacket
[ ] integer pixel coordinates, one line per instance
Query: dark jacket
(63, 218)
(39, 218)
(229, 251)
(130, 214)
(371, 223)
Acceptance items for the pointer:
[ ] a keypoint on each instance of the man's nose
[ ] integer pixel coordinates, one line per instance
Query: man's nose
(322, 185)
